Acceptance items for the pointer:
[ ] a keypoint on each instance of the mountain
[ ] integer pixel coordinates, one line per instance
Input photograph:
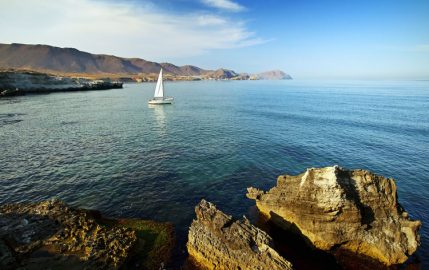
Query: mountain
(187, 70)
(222, 74)
(272, 75)
(69, 60)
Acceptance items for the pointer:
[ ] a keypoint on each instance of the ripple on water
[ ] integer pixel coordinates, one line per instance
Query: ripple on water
(109, 151)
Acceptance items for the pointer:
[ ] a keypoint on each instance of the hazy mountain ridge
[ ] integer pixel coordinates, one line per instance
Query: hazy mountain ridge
(45, 58)
(272, 75)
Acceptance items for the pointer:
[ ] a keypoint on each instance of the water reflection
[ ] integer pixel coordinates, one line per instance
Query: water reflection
(160, 119)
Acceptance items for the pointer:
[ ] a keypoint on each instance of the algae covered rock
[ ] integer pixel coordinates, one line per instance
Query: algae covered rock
(52, 235)
(217, 241)
(338, 209)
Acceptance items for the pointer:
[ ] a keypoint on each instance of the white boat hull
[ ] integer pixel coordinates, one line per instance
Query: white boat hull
(161, 101)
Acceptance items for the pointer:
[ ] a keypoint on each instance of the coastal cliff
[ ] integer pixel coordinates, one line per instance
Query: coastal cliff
(341, 210)
(216, 241)
(52, 235)
(13, 82)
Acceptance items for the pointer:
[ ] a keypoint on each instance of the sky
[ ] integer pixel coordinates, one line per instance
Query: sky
(308, 39)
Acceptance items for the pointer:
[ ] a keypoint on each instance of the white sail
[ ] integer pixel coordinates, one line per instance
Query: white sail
(158, 97)
(159, 90)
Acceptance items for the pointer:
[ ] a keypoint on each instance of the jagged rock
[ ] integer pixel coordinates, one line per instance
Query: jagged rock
(51, 235)
(338, 209)
(27, 228)
(216, 241)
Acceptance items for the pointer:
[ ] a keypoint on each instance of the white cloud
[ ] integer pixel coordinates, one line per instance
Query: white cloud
(224, 4)
(124, 29)
(204, 20)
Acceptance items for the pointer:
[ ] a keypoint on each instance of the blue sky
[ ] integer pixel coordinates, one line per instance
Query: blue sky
(376, 39)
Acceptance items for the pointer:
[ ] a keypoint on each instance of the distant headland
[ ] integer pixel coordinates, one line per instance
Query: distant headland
(70, 62)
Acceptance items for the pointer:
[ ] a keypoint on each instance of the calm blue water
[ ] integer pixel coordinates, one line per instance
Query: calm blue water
(108, 150)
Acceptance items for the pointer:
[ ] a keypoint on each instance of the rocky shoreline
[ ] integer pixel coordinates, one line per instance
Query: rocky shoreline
(352, 217)
(52, 235)
(15, 83)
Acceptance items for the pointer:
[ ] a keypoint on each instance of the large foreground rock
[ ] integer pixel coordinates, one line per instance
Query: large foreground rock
(216, 241)
(51, 235)
(337, 209)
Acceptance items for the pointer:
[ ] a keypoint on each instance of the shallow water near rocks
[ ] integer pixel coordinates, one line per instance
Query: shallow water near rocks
(108, 150)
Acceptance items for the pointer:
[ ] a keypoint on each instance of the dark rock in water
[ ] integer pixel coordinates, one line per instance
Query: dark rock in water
(216, 241)
(11, 92)
(52, 235)
(344, 212)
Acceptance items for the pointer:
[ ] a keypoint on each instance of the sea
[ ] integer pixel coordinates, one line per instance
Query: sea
(109, 150)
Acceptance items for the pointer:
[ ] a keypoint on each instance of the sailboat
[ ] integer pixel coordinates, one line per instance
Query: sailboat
(158, 97)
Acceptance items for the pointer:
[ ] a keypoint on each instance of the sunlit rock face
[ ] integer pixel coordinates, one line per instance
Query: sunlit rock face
(216, 241)
(339, 209)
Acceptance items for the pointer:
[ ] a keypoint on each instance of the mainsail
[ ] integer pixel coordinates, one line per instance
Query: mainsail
(159, 90)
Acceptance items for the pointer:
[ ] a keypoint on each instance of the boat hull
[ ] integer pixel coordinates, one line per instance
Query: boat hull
(161, 101)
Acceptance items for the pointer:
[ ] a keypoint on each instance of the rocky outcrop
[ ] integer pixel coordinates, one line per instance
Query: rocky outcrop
(216, 241)
(338, 209)
(13, 82)
(51, 235)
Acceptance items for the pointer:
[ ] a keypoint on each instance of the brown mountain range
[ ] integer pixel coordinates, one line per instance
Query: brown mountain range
(69, 60)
